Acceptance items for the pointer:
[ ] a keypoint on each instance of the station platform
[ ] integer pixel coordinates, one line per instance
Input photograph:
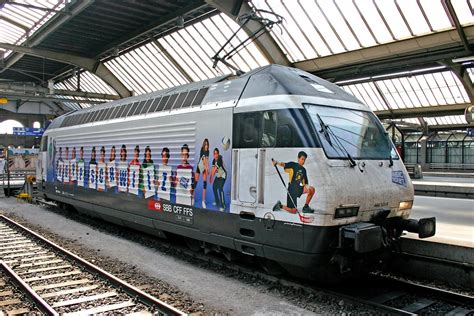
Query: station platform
(454, 219)
(445, 184)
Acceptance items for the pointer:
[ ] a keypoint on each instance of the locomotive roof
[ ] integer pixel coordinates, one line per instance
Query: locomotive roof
(264, 81)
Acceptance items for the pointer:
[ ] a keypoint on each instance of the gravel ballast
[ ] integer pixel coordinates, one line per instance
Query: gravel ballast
(194, 287)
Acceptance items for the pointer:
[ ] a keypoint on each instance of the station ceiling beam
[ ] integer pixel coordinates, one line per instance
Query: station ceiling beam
(434, 128)
(94, 66)
(265, 43)
(5, 87)
(448, 127)
(425, 111)
(32, 97)
(419, 52)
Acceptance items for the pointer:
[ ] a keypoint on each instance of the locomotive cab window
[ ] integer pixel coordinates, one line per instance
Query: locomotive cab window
(269, 129)
(356, 133)
(250, 130)
(278, 128)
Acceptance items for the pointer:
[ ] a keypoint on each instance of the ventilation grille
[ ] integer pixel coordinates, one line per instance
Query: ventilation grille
(174, 101)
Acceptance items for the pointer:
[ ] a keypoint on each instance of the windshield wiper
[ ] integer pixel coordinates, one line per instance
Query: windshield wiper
(327, 132)
(324, 130)
(389, 150)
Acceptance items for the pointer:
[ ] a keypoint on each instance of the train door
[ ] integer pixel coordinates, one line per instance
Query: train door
(254, 132)
(247, 157)
(247, 184)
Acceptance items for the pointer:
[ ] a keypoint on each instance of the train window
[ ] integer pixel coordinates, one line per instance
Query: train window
(189, 98)
(170, 102)
(279, 128)
(200, 96)
(269, 129)
(285, 136)
(246, 130)
(146, 107)
(180, 100)
(163, 102)
(249, 132)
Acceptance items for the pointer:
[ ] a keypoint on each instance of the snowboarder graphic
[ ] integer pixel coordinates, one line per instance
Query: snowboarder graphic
(297, 186)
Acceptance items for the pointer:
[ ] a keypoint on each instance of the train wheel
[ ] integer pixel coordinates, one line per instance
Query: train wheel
(271, 267)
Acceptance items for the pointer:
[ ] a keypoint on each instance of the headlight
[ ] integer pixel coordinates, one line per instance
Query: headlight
(342, 212)
(405, 205)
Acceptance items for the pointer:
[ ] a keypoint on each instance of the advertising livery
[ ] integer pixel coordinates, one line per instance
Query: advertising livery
(143, 178)
(276, 163)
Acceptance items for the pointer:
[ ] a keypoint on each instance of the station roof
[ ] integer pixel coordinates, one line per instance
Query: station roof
(409, 60)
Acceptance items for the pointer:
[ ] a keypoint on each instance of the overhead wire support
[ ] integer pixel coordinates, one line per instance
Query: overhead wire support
(266, 25)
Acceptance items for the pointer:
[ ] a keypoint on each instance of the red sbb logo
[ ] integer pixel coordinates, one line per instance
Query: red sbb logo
(155, 206)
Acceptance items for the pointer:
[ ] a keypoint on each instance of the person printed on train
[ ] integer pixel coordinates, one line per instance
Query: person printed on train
(218, 170)
(297, 186)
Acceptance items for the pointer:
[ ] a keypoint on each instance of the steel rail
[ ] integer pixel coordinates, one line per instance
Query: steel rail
(309, 287)
(444, 295)
(152, 302)
(28, 291)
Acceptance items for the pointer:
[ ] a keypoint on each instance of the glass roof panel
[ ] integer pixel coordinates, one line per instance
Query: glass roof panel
(436, 14)
(463, 11)
(366, 92)
(438, 88)
(20, 19)
(357, 24)
(470, 71)
(193, 47)
(391, 14)
(340, 24)
(445, 120)
(146, 69)
(414, 15)
(10, 33)
(315, 28)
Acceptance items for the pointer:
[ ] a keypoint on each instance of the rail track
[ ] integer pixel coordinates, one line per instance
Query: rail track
(14, 298)
(383, 294)
(56, 281)
(407, 298)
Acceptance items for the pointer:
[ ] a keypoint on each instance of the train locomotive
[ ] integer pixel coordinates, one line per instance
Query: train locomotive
(277, 164)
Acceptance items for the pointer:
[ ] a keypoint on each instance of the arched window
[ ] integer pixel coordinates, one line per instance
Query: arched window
(6, 127)
(36, 124)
